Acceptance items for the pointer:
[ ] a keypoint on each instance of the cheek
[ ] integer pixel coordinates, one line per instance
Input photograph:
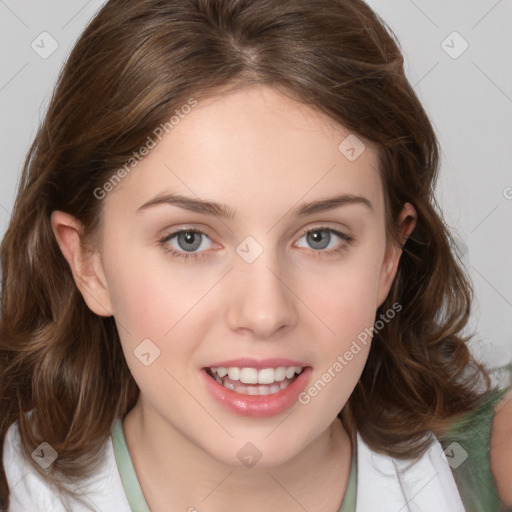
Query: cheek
(348, 313)
(163, 302)
(151, 313)
(151, 295)
(344, 295)
(346, 304)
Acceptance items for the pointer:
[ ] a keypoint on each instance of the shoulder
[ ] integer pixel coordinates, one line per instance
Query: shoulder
(501, 448)
(424, 483)
(30, 490)
(467, 446)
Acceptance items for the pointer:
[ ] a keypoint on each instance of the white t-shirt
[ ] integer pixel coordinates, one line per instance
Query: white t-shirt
(384, 484)
(29, 492)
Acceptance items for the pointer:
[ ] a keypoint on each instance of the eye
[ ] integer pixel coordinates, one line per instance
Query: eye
(323, 237)
(188, 244)
(185, 243)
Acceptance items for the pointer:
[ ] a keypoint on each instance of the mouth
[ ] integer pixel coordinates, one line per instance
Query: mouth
(256, 388)
(253, 381)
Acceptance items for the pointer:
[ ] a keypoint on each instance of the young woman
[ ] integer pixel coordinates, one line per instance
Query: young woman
(225, 284)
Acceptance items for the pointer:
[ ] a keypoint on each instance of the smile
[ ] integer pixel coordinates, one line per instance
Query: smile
(251, 381)
(253, 388)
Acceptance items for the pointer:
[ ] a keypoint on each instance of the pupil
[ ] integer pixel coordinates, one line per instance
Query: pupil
(319, 239)
(188, 238)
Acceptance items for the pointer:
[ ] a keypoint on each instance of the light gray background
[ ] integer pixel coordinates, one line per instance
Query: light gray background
(468, 97)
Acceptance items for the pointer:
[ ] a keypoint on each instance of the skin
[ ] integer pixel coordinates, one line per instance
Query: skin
(290, 302)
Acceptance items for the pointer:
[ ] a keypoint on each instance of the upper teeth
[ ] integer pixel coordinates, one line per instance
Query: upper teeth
(255, 376)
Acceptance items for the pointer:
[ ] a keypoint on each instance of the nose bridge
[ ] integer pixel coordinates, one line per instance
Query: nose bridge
(260, 300)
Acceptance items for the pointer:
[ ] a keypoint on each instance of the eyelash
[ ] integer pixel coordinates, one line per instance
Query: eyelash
(349, 240)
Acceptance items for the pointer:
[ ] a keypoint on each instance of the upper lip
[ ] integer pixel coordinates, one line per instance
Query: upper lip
(248, 362)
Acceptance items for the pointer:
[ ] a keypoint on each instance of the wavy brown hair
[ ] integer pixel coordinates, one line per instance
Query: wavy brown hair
(137, 62)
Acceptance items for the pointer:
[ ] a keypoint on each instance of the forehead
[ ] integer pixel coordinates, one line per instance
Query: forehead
(257, 150)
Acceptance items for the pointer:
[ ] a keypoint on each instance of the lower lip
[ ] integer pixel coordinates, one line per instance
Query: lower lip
(261, 406)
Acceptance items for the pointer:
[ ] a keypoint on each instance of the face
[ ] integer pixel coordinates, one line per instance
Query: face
(275, 277)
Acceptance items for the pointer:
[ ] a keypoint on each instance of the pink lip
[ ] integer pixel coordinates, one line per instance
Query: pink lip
(262, 406)
(248, 362)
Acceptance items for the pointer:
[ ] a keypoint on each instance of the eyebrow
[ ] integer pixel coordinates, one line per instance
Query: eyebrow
(226, 212)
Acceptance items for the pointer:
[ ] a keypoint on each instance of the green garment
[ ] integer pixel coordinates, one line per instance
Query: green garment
(472, 475)
(129, 478)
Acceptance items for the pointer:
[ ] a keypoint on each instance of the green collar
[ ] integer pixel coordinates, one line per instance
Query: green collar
(136, 497)
(129, 478)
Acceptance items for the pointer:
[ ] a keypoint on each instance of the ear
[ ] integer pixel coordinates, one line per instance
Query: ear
(406, 223)
(86, 265)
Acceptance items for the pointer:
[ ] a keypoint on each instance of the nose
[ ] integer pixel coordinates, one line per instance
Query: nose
(261, 298)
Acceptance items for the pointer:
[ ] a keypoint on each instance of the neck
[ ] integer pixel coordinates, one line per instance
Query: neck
(176, 473)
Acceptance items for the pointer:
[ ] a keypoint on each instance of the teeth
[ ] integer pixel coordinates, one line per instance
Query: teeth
(280, 374)
(290, 372)
(234, 373)
(229, 385)
(248, 375)
(254, 376)
(266, 376)
(221, 372)
(254, 390)
(266, 381)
